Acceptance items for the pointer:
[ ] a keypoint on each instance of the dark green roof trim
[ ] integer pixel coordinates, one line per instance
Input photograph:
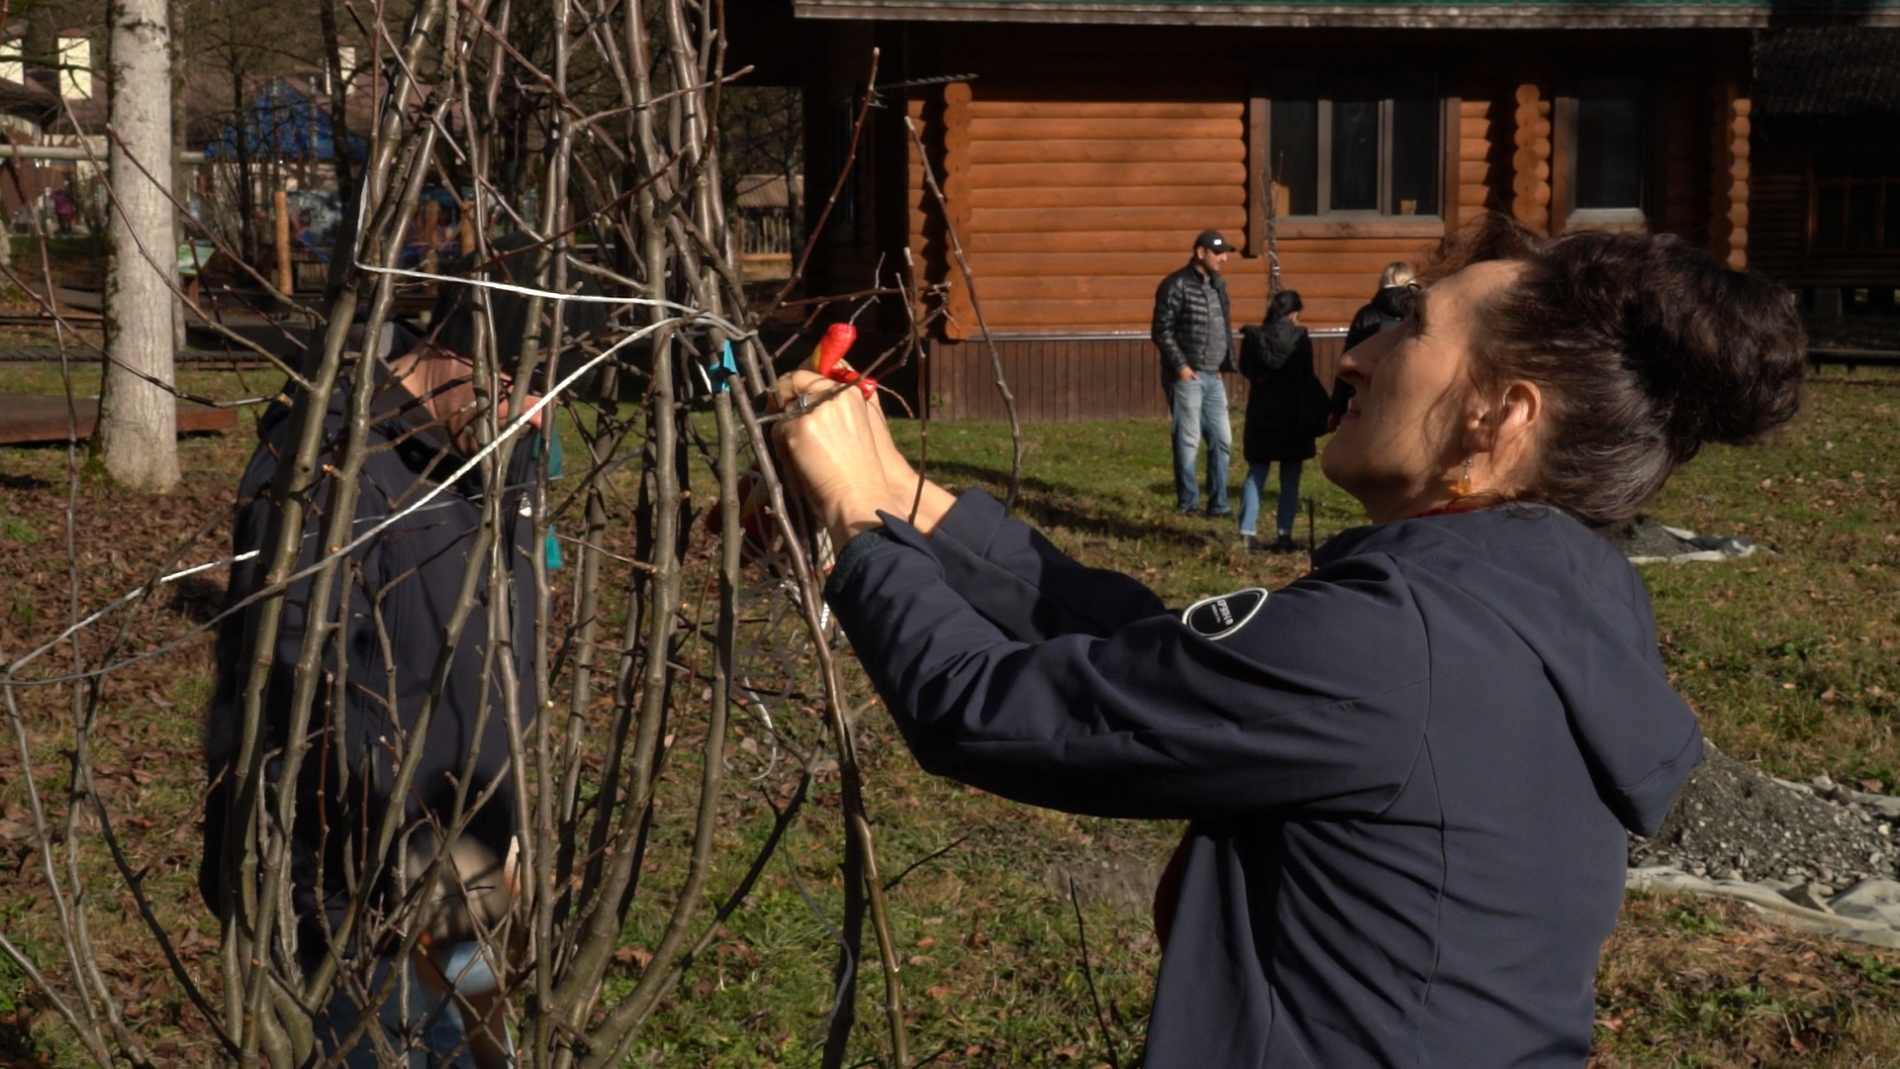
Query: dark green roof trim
(1422, 14)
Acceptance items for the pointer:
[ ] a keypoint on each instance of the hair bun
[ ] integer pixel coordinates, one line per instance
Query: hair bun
(1720, 353)
(1645, 348)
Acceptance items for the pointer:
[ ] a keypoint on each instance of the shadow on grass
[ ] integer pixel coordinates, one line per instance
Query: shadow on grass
(1047, 504)
(24, 483)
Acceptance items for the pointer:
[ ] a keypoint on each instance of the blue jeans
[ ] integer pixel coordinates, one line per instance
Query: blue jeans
(1256, 485)
(432, 1013)
(1199, 407)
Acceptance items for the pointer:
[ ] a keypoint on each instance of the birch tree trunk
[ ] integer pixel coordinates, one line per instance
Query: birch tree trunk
(137, 438)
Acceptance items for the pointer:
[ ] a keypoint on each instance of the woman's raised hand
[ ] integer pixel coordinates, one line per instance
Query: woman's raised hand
(830, 443)
(840, 455)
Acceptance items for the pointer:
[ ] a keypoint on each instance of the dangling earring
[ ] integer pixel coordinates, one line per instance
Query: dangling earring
(1462, 487)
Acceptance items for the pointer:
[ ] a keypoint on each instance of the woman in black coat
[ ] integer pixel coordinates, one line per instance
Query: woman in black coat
(1277, 358)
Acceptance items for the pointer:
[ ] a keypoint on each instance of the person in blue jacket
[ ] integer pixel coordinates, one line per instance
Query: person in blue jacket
(1408, 775)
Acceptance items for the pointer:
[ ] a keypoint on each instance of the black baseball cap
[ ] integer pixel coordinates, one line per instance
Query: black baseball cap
(1212, 241)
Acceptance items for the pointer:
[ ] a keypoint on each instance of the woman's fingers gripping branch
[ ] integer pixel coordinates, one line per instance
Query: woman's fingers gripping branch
(829, 441)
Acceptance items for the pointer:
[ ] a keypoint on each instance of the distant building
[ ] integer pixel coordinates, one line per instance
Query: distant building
(1826, 209)
(762, 207)
(1082, 144)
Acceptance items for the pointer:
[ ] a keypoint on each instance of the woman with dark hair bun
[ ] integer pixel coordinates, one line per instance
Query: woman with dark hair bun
(1408, 776)
(1286, 411)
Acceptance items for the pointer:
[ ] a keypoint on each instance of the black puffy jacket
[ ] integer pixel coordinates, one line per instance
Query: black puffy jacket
(1184, 317)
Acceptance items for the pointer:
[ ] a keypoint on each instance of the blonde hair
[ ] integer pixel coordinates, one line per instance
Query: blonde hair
(1396, 273)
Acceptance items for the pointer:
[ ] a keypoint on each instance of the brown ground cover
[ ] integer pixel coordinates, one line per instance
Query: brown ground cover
(1789, 661)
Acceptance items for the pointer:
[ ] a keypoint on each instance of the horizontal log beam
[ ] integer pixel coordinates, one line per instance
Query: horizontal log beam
(1169, 173)
(1189, 221)
(1154, 265)
(1176, 244)
(1104, 129)
(1005, 315)
(1106, 151)
(1110, 197)
(1101, 109)
(1247, 293)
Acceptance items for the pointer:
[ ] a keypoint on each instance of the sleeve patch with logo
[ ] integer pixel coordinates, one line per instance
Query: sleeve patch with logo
(1218, 617)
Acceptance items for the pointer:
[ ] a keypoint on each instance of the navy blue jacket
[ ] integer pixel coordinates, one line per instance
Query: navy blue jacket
(1408, 773)
(405, 585)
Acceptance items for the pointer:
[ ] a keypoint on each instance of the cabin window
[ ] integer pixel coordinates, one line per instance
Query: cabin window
(1856, 203)
(1607, 163)
(1294, 156)
(1357, 152)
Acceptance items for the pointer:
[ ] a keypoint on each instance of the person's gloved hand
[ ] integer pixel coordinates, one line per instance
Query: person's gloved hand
(830, 444)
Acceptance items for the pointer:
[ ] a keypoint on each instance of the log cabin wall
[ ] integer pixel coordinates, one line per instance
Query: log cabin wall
(1080, 162)
(1064, 377)
(1786, 200)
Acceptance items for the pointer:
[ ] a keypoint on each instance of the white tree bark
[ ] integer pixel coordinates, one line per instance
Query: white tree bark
(137, 440)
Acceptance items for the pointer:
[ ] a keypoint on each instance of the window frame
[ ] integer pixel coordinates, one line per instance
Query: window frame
(1323, 92)
(1564, 146)
(1888, 183)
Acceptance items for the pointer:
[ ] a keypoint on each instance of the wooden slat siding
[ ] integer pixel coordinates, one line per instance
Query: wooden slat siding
(1103, 151)
(1152, 267)
(1103, 197)
(1684, 167)
(1327, 349)
(1073, 375)
(1033, 367)
(920, 211)
(1189, 219)
(1071, 379)
(1779, 204)
(1089, 175)
(1169, 244)
(1107, 129)
(1055, 317)
(1335, 297)
(1248, 293)
(1101, 109)
(956, 162)
(1778, 221)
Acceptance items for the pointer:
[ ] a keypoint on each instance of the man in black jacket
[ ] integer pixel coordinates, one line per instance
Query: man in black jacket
(391, 609)
(1194, 332)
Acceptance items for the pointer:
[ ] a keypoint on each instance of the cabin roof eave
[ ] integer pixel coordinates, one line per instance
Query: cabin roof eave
(1432, 14)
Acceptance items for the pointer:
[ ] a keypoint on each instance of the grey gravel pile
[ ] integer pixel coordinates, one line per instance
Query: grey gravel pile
(1645, 537)
(1734, 823)
(1644, 540)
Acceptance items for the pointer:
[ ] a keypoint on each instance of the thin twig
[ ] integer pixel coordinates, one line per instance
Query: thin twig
(969, 281)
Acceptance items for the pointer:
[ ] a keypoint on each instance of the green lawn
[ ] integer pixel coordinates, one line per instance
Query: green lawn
(1789, 660)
